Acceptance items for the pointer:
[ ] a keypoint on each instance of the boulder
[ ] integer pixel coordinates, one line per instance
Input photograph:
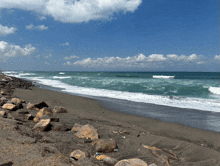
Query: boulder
(3, 92)
(131, 162)
(105, 145)
(37, 106)
(77, 154)
(29, 117)
(31, 107)
(2, 102)
(40, 105)
(36, 120)
(10, 107)
(51, 117)
(87, 131)
(76, 127)
(42, 125)
(3, 114)
(19, 105)
(59, 109)
(16, 100)
(110, 161)
(3, 99)
(44, 111)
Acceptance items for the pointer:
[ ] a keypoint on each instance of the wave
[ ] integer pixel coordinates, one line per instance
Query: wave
(59, 77)
(190, 103)
(61, 73)
(215, 90)
(164, 77)
(26, 74)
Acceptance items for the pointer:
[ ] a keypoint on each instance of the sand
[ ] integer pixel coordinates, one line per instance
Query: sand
(22, 146)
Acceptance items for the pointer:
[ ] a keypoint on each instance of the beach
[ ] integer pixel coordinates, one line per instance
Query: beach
(21, 145)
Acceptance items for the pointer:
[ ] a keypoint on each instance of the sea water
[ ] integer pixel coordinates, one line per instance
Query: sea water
(130, 92)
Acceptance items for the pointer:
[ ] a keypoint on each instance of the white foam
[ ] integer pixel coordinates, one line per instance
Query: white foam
(26, 74)
(191, 103)
(164, 77)
(8, 72)
(60, 77)
(215, 90)
(61, 73)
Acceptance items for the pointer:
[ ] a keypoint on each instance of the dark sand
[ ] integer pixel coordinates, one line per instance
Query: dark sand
(21, 146)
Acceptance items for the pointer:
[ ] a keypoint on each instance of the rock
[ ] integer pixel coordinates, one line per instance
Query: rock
(153, 164)
(131, 162)
(101, 157)
(16, 101)
(59, 127)
(29, 117)
(19, 105)
(87, 131)
(3, 92)
(31, 107)
(105, 145)
(51, 117)
(10, 107)
(41, 105)
(42, 125)
(110, 161)
(76, 127)
(36, 120)
(2, 102)
(44, 111)
(77, 154)
(3, 114)
(3, 99)
(59, 110)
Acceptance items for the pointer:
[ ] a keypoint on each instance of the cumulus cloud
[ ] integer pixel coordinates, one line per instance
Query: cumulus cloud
(4, 30)
(39, 27)
(139, 61)
(217, 57)
(74, 11)
(9, 50)
(70, 57)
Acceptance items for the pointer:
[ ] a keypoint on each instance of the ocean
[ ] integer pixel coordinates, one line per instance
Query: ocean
(196, 92)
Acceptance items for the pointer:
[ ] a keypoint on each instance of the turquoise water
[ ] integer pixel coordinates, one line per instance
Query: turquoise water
(198, 90)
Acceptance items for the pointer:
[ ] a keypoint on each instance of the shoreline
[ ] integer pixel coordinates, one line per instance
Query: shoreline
(192, 146)
(200, 119)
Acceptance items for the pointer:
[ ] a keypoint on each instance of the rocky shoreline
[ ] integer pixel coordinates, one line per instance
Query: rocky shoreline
(42, 127)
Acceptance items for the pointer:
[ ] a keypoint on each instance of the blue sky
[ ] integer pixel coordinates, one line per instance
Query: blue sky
(109, 35)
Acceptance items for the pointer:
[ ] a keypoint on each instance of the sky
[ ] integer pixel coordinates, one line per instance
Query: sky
(109, 35)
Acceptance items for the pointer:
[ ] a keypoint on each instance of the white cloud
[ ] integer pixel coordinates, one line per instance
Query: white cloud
(140, 61)
(68, 63)
(74, 11)
(217, 57)
(70, 57)
(9, 50)
(48, 56)
(39, 27)
(65, 44)
(42, 18)
(4, 30)
(46, 63)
